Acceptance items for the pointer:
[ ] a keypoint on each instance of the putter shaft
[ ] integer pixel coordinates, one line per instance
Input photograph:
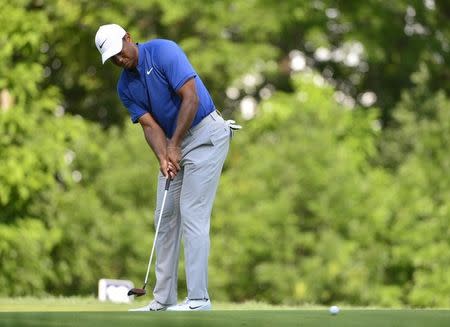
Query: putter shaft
(166, 189)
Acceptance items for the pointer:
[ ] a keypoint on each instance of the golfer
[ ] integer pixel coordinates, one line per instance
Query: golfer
(162, 92)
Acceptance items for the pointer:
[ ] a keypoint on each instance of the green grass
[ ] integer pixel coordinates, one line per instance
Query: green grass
(89, 312)
(82, 304)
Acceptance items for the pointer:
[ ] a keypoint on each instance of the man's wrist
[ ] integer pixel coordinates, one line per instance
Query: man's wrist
(162, 157)
(173, 144)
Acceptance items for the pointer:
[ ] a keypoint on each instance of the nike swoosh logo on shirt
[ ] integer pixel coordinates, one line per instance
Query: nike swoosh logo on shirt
(149, 71)
(102, 44)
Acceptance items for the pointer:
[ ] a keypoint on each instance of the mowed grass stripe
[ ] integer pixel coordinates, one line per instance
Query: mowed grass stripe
(249, 318)
(82, 304)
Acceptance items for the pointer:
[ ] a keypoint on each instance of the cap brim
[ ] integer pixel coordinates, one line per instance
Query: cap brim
(112, 50)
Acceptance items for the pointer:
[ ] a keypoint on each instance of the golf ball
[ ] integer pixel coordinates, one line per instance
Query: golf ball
(334, 310)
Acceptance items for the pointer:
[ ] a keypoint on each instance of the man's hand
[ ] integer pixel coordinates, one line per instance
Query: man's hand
(167, 168)
(174, 156)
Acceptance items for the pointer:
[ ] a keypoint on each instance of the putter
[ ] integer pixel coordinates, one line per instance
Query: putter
(142, 291)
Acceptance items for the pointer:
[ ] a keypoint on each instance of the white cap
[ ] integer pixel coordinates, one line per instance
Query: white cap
(109, 40)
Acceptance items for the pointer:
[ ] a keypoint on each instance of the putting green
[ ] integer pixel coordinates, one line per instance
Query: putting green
(76, 311)
(303, 318)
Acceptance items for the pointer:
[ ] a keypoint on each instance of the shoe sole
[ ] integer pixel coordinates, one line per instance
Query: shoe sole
(138, 310)
(201, 308)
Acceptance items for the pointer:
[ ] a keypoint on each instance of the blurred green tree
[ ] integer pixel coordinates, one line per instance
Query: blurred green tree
(367, 49)
(308, 198)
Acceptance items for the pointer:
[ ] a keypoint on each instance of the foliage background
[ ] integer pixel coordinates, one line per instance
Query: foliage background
(335, 191)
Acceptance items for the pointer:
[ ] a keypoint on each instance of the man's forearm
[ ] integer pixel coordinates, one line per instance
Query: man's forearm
(156, 138)
(186, 115)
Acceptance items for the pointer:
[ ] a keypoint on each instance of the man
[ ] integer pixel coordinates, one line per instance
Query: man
(190, 139)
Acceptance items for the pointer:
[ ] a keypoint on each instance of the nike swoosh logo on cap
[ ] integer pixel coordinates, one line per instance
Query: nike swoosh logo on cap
(102, 44)
(149, 71)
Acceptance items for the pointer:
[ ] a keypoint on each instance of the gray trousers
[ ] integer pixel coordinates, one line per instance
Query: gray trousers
(187, 210)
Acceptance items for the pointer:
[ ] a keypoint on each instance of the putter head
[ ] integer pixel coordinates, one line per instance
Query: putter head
(137, 292)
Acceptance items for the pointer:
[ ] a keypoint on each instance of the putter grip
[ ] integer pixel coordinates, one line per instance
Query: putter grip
(167, 183)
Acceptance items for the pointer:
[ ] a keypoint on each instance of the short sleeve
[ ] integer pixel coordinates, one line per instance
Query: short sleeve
(175, 64)
(134, 110)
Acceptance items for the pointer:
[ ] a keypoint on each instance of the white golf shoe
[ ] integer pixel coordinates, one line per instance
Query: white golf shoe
(192, 305)
(152, 306)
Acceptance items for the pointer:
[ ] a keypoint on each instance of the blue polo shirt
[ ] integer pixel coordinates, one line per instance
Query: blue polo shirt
(152, 87)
